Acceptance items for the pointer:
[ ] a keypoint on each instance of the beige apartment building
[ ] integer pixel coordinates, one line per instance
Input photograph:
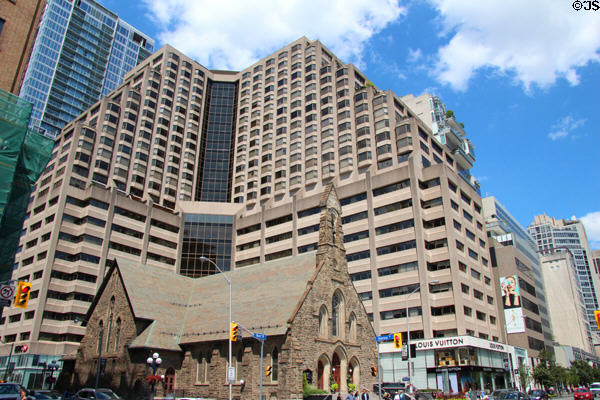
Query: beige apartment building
(569, 325)
(181, 162)
(19, 22)
(561, 235)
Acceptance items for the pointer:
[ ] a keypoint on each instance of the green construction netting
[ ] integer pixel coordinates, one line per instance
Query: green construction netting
(23, 156)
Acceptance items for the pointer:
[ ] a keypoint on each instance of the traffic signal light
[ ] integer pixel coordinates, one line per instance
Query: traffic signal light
(22, 348)
(22, 296)
(597, 315)
(235, 332)
(268, 370)
(397, 340)
(374, 371)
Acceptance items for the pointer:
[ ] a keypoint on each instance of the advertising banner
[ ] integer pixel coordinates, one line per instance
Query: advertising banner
(511, 300)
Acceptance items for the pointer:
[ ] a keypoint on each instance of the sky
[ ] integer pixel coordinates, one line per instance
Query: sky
(523, 76)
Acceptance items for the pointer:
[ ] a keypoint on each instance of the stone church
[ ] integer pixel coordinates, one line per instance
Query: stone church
(306, 305)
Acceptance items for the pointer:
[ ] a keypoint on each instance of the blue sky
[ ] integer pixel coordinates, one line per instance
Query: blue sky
(524, 77)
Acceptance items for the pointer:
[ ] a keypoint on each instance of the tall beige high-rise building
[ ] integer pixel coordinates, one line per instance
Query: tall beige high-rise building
(560, 235)
(181, 162)
(567, 311)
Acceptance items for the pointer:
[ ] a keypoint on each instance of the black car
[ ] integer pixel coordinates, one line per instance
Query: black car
(537, 394)
(498, 394)
(515, 395)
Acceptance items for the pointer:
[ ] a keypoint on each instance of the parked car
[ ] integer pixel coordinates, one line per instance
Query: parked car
(10, 391)
(582, 394)
(44, 394)
(538, 394)
(515, 395)
(391, 387)
(112, 395)
(498, 394)
(95, 394)
(595, 388)
(427, 394)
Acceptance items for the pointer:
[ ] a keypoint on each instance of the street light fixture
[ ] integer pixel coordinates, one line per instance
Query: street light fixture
(53, 366)
(154, 362)
(435, 281)
(229, 283)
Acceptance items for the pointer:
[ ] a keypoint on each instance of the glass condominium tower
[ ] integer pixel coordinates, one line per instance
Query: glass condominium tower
(81, 53)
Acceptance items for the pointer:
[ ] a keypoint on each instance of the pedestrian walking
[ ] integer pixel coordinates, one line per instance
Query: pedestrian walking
(364, 395)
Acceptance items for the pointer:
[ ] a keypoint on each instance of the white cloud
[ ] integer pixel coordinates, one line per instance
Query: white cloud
(591, 221)
(414, 55)
(233, 34)
(564, 127)
(535, 41)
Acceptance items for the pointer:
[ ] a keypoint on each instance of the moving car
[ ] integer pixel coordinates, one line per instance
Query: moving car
(538, 394)
(582, 394)
(595, 388)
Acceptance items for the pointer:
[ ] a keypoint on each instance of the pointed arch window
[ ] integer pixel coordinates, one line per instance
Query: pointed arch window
(117, 333)
(238, 365)
(323, 318)
(337, 314)
(201, 369)
(275, 364)
(100, 336)
(110, 320)
(353, 334)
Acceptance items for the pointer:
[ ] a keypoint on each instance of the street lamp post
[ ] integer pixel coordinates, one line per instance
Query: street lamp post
(435, 281)
(229, 283)
(154, 362)
(53, 366)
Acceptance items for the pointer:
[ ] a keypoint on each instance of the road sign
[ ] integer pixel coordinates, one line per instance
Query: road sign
(405, 379)
(231, 374)
(7, 292)
(384, 338)
(259, 336)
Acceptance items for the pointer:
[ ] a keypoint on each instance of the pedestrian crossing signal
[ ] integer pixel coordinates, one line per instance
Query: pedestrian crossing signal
(22, 296)
(374, 371)
(268, 370)
(235, 332)
(397, 340)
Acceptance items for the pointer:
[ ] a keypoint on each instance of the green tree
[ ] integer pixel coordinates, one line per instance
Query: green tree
(524, 376)
(585, 372)
(543, 376)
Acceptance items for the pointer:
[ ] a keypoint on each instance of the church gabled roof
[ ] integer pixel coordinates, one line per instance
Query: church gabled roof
(189, 310)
